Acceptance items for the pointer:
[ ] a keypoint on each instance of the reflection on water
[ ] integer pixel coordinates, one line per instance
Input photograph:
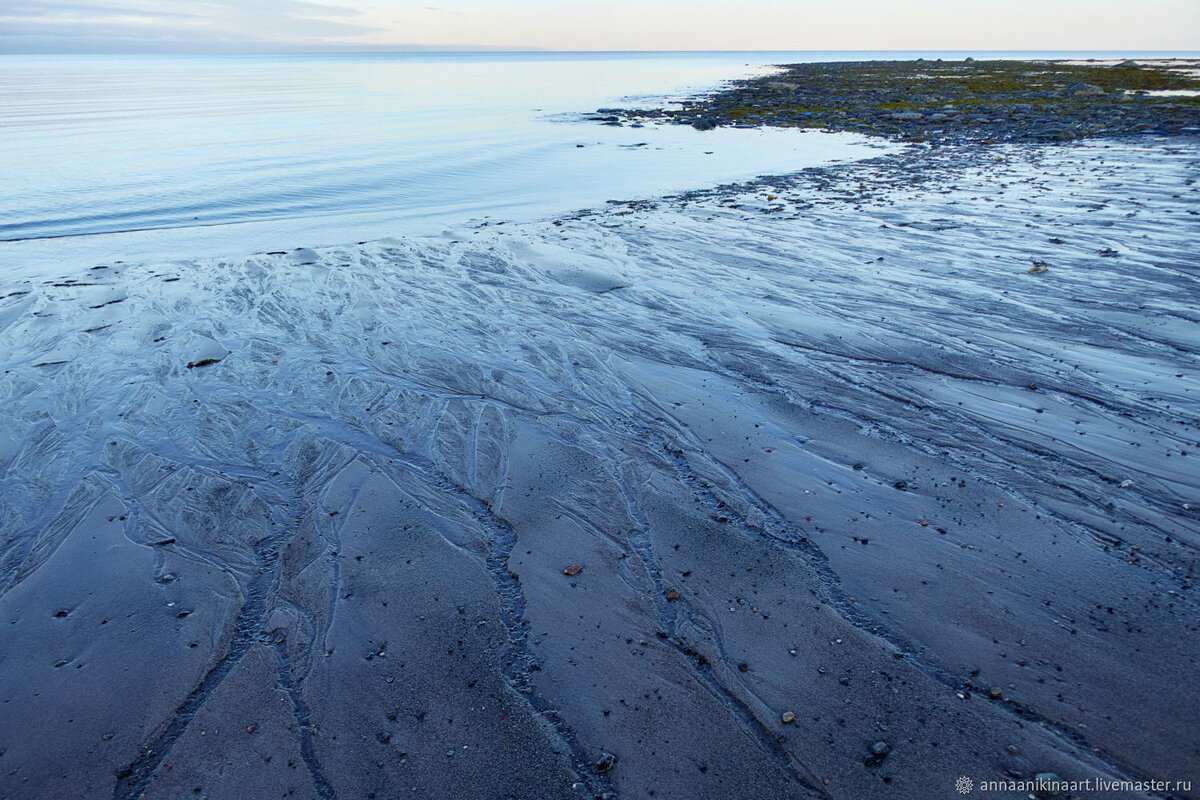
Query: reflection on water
(204, 155)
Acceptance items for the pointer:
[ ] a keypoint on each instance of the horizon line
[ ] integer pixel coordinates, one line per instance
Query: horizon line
(503, 50)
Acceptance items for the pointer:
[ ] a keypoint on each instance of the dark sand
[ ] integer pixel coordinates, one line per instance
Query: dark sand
(823, 447)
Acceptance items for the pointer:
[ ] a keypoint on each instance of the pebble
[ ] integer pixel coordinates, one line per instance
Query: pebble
(880, 749)
(788, 717)
(606, 762)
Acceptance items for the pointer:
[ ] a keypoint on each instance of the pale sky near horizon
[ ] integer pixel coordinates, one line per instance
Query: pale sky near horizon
(230, 25)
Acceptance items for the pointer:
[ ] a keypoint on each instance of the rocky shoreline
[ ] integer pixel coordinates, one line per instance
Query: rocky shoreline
(947, 102)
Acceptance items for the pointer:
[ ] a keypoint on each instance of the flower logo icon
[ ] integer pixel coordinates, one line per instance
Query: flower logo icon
(964, 785)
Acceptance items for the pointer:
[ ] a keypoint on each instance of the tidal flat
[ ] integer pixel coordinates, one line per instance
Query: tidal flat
(849, 483)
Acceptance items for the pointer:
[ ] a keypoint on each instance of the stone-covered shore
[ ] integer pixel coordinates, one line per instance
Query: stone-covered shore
(945, 102)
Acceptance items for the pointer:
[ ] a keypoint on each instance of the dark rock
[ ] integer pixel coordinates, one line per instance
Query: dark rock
(879, 751)
(605, 763)
(1083, 90)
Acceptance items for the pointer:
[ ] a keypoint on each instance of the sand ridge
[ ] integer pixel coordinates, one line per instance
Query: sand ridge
(901, 448)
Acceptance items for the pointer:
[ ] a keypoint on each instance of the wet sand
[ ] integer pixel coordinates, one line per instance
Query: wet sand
(876, 477)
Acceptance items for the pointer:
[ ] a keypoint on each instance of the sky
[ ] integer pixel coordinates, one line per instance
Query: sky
(300, 25)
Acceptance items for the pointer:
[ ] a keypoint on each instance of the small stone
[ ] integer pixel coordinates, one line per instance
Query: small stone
(1125, 484)
(880, 749)
(1012, 750)
(901, 485)
(574, 569)
(788, 718)
(605, 763)
(995, 693)
(673, 594)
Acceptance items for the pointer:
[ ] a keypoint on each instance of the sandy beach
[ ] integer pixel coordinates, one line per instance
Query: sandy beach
(850, 484)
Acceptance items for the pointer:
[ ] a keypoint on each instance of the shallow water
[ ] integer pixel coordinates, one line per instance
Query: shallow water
(107, 158)
(207, 155)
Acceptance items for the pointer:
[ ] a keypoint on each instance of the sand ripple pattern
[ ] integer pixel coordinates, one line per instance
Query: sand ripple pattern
(908, 452)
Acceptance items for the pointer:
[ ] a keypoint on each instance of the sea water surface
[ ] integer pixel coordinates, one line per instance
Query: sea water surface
(107, 158)
(134, 157)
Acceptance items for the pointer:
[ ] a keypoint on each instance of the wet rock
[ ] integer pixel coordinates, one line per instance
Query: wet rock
(703, 125)
(605, 763)
(879, 751)
(788, 717)
(574, 569)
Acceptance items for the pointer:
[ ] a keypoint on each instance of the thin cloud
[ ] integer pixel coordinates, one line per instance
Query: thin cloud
(133, 24)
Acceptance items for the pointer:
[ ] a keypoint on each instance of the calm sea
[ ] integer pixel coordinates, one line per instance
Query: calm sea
(133, 157)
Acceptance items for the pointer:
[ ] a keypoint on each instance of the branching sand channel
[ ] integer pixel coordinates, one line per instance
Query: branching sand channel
(877, 476)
